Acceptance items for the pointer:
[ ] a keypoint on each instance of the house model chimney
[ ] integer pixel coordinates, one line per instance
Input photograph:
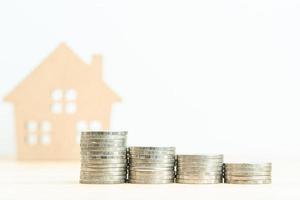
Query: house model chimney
(97, 64)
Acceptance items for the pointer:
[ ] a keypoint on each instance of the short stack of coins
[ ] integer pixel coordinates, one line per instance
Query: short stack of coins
(199, 169)
(103, 157)
(247, 173)
(151, 165)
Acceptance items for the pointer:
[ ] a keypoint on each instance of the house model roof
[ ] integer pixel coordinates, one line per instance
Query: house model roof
(63, 68)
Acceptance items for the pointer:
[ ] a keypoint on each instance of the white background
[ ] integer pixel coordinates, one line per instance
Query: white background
(206, 76)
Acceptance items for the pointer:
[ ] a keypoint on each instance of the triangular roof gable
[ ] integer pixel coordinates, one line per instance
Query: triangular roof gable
(62, 54)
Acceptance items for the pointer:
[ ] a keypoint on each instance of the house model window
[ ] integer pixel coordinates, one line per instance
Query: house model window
(64, 101)
(38, 132)
(45, 129)
(31, 136)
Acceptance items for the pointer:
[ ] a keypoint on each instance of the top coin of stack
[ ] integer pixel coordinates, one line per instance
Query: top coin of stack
(103, 157)
(199, 169)
(247, 173)
(151, 165)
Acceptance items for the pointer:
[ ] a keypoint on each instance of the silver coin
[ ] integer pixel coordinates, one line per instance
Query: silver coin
(200, 161)
(150, 152)
(205, 177)
(154, 172)
(91, 144)
(103, 145)
(122, 137)
(109, 147)
(158, 159)
(201, 165)
(102, 182)
(152, 148)
(102, 139)
(151, 165)
(112, 168)
(106, 167)
(247, 165)
(212, 161)
(152, 157)
(99, 179)
(151, 160)
(204, 169)
(103, 153)
(248, 182)
(100, 148)
(104, 136)
(150, 168)
(200, 173)
(104, 161)
(137, 181)
(102, 177)
(189, 181)
(200, 157)
(101, 174)
(103, 157)
(120, 169)
(101, 166)
(151, 178)
(245, 178)
(248, 173)
(95, 181)
(88, 133)
(151, 174)
(249, 170)
(103, 142)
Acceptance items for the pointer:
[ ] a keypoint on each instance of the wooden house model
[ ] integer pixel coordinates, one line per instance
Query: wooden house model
(60, 98)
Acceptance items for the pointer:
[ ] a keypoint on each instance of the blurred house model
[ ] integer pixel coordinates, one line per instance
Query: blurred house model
(60, 98)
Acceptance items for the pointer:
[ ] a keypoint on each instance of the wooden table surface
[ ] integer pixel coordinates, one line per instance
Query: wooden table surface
(59, 180)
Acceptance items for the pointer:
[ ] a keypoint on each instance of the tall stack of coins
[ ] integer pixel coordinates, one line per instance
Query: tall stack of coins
(103, 157)
(247, 173)
(199, 169)
(151, 165)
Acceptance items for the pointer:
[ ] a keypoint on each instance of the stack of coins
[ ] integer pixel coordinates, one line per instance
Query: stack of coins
(199, 169)
(103, 157)
(246, 173)
(151, 165)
